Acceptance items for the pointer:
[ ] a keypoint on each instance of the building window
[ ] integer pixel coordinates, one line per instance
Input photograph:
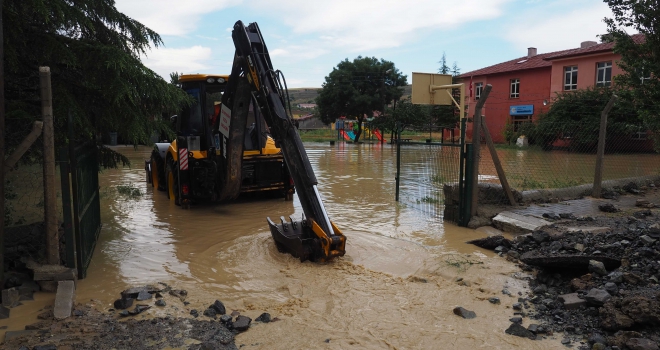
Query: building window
(478, 88)
(644, 75)
(570, 78)
(604, 74)
(639, 136)
(519, 120)
(515, 88)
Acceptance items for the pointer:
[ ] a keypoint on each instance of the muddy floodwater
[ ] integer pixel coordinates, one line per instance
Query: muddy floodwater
(395, 288)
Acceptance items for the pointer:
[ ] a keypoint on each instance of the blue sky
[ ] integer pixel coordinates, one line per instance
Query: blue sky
(307, 38)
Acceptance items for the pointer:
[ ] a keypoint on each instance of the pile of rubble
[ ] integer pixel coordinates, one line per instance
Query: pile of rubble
(117, 328)
(597, 287)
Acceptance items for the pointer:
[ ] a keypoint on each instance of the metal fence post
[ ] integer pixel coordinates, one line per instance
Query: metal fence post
(69, 240)
(461, 173)
(398, 158)
(468, 190)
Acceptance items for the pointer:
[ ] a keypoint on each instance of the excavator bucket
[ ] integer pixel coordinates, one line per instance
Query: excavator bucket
(306, 240)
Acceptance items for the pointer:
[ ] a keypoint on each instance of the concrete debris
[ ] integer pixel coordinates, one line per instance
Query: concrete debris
(516, 223)
(460, 311)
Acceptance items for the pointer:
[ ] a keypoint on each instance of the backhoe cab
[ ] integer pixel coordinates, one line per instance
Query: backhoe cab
(191, 168)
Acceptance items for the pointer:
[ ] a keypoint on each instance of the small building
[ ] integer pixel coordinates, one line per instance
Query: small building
(307, 105)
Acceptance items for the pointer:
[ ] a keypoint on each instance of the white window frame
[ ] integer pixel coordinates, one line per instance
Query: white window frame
(645, 76)
(569, 82)
(477, 90)
(514, 91)
(603, 67)
(640, 136)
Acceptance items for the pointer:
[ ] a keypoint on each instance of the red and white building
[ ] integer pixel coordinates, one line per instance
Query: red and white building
(524, 87)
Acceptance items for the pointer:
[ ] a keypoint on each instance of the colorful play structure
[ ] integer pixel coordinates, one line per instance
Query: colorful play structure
(345, 131)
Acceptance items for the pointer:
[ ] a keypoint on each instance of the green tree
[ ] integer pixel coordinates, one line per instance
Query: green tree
(444, 68)
(93, 52)
(640, 59)
(357, 88)
(409, 115)
(576, 115)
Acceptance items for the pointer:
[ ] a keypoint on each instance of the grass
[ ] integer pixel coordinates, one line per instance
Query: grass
(524, 183)
(319, 135)
(461, 263)
(129, 190)
(427, 199)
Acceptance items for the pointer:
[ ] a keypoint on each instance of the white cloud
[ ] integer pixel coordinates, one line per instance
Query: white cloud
(298, 52)
(561, 31)
(359, 25)
(207, 37)
(171, 17)
(187, 60)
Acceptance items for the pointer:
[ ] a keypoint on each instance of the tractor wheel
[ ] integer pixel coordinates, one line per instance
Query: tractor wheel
(157, 171)
(172, 182)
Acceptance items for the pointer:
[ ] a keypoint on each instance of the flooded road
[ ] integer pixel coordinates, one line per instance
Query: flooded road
(395, 288)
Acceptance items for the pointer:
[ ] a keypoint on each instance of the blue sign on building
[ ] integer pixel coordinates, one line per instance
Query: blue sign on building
(521, 110)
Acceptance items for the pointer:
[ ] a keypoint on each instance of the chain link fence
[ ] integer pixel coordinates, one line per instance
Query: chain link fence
(425, 170)
(24, 200)
(548, 163)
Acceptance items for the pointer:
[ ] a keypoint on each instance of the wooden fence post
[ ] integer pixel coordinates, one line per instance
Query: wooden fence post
(2, 148)
(23, 146)
(50, 204)
(498, 164)
(476, 142)
(598, 176)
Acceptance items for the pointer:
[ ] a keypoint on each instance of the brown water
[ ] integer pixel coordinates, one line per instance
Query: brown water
(394, 288)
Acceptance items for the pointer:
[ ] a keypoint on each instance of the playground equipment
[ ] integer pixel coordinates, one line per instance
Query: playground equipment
(348, 134)
(345, 135)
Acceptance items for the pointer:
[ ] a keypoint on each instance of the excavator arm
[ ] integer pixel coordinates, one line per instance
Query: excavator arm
(314, 237)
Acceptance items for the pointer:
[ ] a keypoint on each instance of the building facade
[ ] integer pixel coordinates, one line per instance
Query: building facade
(524, 88)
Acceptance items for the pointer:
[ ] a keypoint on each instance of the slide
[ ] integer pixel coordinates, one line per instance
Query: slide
(351, 134)
(378, 135)
(346, 136)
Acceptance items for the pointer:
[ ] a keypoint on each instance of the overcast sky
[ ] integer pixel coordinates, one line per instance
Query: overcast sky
(307, 38)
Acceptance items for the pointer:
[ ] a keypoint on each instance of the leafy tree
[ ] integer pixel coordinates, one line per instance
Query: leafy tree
(357, 88)
(640, 60)
(93, 52)
(409, 115)
(576, 115)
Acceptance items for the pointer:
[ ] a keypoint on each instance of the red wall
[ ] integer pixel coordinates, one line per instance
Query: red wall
(586, 70)
(534, 89)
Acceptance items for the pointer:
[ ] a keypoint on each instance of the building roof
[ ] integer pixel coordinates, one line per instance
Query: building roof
(598, 48)
(544, 59)
(521, 63)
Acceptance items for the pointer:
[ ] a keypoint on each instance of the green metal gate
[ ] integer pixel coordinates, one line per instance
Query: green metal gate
(431, 177)
(80, 200)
